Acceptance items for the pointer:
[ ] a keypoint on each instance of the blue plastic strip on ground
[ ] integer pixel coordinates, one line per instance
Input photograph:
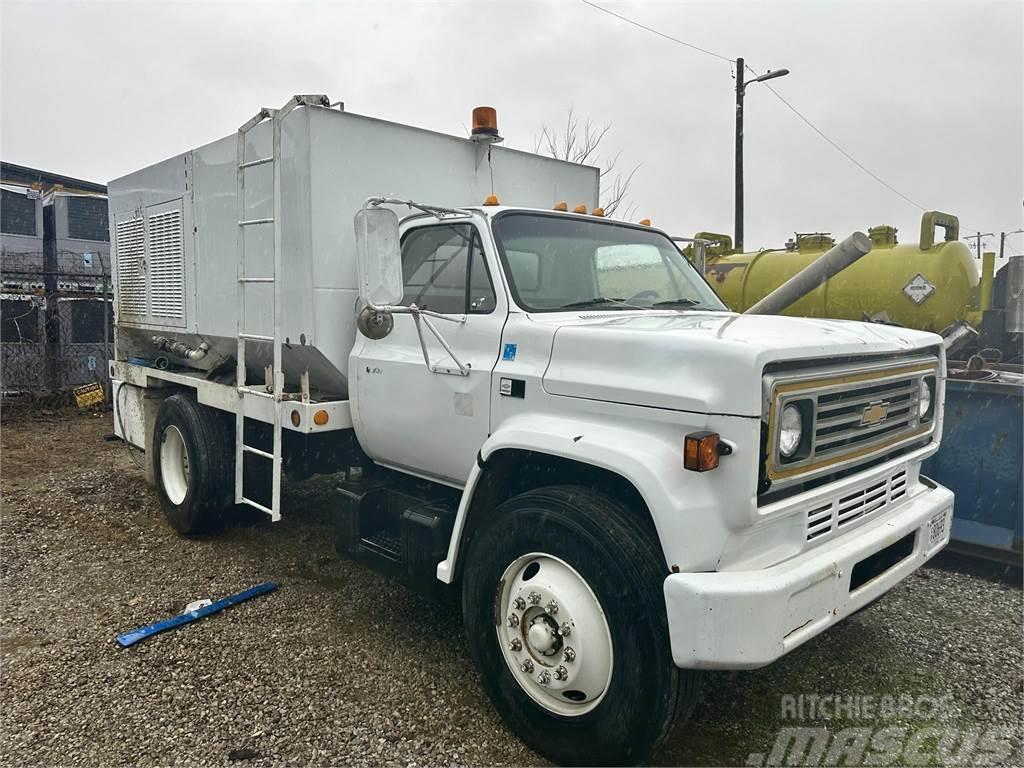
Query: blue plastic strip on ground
(136, 635)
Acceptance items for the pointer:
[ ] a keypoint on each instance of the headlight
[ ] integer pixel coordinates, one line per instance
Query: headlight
(924, 399)
(790, 430)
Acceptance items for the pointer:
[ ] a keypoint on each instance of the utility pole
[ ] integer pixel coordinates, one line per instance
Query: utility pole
(741, 89)
(1002, 240)
(738, 199)
(977, 240)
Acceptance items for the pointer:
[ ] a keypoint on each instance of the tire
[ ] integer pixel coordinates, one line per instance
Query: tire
(195, 491)
(566, 530)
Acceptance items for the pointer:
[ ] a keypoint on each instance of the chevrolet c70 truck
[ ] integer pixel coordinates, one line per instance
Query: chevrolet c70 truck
(542, 408)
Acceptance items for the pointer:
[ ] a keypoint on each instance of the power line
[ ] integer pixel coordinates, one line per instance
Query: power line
(779, 96)
(656, 32)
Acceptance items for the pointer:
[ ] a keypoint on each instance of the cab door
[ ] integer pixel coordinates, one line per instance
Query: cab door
(433, 421)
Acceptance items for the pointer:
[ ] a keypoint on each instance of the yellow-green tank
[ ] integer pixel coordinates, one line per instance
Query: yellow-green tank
(928, 286)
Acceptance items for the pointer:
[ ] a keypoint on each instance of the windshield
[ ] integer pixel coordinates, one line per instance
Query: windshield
(558, 262)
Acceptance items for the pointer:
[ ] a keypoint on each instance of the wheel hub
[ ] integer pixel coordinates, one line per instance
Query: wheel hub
(555, 636)
(175, 470)
(543, 635)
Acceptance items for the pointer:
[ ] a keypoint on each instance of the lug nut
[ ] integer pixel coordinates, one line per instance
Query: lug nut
(526, 666)
(568, 654)
(515, 645)
(544, 677)
(565, 630)
(561, 673)
(552, 606)
(534, 598)
(513, 620)
(519, 603)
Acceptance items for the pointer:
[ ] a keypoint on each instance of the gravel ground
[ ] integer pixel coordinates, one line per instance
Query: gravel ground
(343, 666)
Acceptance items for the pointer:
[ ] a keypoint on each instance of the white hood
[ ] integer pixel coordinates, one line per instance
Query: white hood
(701, 362)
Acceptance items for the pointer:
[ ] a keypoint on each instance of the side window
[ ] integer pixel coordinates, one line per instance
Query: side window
(443, 269)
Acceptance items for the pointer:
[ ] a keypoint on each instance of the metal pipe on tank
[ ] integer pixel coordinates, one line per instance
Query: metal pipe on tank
(829, 264)
(988, 269)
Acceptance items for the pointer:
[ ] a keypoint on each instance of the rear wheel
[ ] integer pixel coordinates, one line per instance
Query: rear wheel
(193, 464)
(562, 596)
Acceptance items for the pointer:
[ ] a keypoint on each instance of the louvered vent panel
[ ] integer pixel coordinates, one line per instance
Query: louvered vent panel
(166, 265)
(131, 282)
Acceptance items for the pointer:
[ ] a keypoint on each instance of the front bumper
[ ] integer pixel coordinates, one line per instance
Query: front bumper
(746, 619)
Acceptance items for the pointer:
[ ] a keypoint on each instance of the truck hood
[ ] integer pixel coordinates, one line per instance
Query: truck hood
(701, 362)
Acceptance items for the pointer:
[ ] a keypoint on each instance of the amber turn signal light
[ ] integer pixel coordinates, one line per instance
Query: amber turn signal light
(701, 451)
(296, 419)
(320, 418)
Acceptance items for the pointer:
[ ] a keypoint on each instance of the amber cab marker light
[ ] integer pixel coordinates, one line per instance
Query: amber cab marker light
(320, 418)
(599, 212)
(491, 200)
(580, 209)
(561, 206)
(701, 451)
(645, 222)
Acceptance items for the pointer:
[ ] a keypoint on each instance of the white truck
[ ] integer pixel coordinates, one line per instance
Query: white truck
(543, 408)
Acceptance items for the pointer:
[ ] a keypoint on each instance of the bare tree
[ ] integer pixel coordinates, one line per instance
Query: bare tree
(581, 144)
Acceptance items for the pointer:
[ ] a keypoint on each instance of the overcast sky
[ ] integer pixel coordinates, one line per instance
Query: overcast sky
(930, 96)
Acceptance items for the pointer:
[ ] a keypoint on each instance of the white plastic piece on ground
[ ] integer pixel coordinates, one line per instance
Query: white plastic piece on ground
(195, 605)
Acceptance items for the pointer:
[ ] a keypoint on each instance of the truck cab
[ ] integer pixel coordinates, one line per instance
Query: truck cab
(770, 465)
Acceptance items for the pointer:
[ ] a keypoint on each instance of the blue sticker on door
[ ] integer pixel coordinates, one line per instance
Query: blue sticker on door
(509, 353)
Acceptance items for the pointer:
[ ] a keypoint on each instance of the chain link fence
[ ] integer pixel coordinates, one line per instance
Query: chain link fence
(56, 326)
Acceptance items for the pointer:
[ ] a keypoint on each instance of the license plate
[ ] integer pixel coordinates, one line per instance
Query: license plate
(937, 528)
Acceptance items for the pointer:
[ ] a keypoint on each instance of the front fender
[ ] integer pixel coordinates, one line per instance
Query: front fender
(686, 507)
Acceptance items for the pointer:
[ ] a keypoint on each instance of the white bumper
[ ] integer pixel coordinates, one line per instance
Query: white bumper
(746, 619)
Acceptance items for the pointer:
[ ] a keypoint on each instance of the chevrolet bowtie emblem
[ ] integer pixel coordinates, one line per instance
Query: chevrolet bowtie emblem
(874, 414)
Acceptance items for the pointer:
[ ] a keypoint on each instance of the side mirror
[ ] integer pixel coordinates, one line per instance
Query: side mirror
(378, 257)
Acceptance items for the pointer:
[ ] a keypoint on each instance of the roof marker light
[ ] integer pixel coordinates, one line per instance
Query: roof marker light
(599, 212)
(561, 206)
(645, 222)
(491, 200)
(580, 209)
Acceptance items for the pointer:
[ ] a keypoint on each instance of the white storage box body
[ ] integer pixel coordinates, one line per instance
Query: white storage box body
(174, 227)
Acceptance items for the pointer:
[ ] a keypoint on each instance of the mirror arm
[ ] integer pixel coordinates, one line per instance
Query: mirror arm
(437, 211)
(433, 367)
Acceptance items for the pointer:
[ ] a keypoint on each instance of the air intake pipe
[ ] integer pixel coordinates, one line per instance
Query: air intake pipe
(180, 349)
(827, 266)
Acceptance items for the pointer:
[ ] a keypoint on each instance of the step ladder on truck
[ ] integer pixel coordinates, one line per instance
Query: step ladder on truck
(246, 392)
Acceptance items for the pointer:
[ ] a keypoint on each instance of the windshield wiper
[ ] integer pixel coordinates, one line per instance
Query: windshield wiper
(676, 303)
(599, 300)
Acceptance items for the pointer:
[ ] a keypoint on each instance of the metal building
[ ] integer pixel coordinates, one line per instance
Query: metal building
(55, 289)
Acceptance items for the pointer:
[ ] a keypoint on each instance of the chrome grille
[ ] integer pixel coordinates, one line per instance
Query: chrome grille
(870, 499)
(840, 423)
(850, 416)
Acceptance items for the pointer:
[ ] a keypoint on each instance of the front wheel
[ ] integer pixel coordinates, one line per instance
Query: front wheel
(562, 596)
